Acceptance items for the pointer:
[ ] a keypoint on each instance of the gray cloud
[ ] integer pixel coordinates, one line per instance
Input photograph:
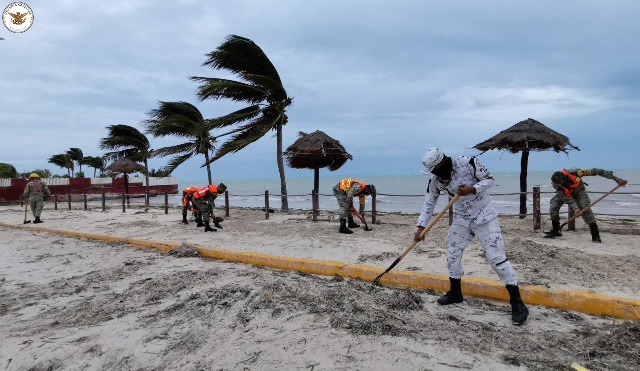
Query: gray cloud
(388, 79)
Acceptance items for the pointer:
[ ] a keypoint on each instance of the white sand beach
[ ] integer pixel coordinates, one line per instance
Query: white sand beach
(74, 304)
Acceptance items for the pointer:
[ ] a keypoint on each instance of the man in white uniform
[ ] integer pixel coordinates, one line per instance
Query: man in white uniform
(473, 215)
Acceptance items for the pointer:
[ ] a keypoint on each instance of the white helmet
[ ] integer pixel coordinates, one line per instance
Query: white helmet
(431, 158)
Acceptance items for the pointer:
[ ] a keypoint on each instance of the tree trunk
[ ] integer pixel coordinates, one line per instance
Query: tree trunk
(206, 161)
(524, 162)
(283, 182)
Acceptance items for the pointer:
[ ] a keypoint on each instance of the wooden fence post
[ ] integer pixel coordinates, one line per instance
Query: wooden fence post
(266, 204)
(374, 210)
(226, 203)
(85, 201)
(123, 201)
(55, 202)
(104, 202)
(572, 224)
(166, 203)
(69, 201)
(536, 208)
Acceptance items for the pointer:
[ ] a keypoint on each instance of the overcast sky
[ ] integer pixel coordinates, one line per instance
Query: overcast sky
(388, 79)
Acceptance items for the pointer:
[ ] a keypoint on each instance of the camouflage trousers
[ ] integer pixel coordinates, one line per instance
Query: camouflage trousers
(580, 199)
(36, 204)
(490, 238)
(203, 208)
(344, 203)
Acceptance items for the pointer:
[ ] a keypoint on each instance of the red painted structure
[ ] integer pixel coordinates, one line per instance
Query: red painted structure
(84, 186)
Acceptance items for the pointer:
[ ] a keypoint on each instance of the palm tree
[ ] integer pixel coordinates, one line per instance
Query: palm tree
(184, 120)
(260, 86)
(97, 163)
(8, 171)
(76, 155)
(128, 142)
(64, 161)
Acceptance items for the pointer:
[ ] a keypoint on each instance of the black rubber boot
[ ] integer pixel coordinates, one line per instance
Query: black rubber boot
(199, 223)
(215, 222)
(519, 312)
(454, 295)
(343, 227)
(595, 234)
(184, 219)
(37, 220)
(352, 224)
(555, 232)
(207, 227)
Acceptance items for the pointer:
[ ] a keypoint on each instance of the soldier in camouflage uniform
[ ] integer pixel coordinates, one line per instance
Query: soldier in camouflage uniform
(473, 215)
(187, 194)
(36, 192)
(202, 198)
(344, 192)
(571, 189)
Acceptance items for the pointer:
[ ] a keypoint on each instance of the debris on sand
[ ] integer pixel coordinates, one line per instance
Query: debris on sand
(185, 251)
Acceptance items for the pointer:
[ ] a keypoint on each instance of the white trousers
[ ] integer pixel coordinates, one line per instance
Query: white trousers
(490, 237)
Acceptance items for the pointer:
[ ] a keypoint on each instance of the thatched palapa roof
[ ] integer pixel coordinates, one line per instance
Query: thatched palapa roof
(530, 135)
(316, 150)
(124, 165)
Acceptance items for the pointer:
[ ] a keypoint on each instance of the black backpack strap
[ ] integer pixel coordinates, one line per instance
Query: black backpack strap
(473, 165)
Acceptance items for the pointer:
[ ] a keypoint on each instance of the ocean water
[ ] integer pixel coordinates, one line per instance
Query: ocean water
(406, 193)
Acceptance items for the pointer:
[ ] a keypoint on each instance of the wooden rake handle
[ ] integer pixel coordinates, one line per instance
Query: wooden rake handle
(589, 206)
(433, 221)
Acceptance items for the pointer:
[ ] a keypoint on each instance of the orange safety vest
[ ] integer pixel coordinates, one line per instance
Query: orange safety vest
(186, 194)
(202, 192)
(345, 185)
(575, 182)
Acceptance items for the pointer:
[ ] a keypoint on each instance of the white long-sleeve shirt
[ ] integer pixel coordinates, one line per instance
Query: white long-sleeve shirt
(476, 208)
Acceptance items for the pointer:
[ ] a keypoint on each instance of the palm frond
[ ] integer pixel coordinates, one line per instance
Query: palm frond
(242, 56)
(274, 89)
(174, 118)
(177, 161)
(76, 154)
(175, 149)
(236, 117)
(124, 136)
(247, 135)
(214, 88)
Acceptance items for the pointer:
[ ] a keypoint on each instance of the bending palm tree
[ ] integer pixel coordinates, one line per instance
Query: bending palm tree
(75, 154)
(64, 161)
(8, 171)
(260, 86)
(97, 163)
(184, 120)
(128, 142)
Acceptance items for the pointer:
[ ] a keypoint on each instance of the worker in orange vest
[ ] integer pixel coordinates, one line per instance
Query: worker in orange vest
(187, 194)
(201, 199)
(571, 188)
(345, 191)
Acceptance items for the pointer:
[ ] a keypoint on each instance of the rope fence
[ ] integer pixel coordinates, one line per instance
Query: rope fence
(128, 201)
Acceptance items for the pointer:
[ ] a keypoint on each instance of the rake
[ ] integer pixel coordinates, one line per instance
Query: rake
(376, 281)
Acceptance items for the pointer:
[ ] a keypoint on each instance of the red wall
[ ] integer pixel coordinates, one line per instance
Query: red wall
(83, 185)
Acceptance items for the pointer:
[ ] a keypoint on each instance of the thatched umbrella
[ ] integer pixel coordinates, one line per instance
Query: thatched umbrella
(316, 150)
(525, 136)
(125, 166)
